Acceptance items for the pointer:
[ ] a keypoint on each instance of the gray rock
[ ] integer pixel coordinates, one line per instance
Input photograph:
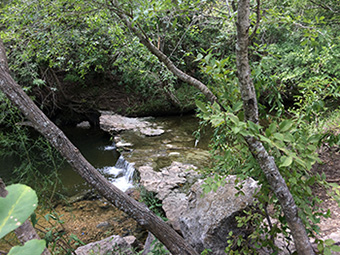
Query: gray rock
(174, 205)
(131, 240)
(209, 218)
(150, 243)
(167, 179)
(114, 123)
(113, 245)
(167, 184)
(84, 124)
(104, 225)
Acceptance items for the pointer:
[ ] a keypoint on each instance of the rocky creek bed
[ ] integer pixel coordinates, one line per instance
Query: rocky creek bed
(167, 159)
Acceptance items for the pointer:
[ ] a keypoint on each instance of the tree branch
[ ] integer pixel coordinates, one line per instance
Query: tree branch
(138, 211)
(266, 162)
(161, 56)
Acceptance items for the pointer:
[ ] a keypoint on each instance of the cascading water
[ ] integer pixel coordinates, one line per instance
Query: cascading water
(121, 175)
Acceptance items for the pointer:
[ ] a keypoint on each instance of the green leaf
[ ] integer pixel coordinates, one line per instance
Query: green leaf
(216, 120)
(234, 119)
(279, 136)
(335, 248)
(237, 106)
(254, 127)
(32, 247)
(329, 242)
(201, 106)
(314, 139)
(265, 139)
(16, 207)
(199, 57)
(286, 161)
(285, 125)
(327, 251)
(272, 128)
(288, 137)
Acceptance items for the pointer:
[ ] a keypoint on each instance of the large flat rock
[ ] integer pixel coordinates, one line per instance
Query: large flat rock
(114, 123)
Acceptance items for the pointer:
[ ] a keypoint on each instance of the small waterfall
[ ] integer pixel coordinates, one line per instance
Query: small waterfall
(121, 175)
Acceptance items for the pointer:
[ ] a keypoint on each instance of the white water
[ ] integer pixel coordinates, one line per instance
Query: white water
(121, 175)
(109, 148)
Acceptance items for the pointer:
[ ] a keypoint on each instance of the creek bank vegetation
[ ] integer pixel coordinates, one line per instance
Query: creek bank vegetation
(260, 52)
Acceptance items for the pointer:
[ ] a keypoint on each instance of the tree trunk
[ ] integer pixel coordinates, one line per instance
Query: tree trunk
(138, 211)
(248, 95)
(266, 162)
(26, 231)
(161, 56)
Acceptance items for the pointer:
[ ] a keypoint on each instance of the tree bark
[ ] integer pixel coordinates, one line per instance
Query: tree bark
(138, 211)
(26, 231)
(266, 162)
(248, 95)
(160, 55)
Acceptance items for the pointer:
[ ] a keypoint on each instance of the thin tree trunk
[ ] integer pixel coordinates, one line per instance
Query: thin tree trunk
(26, 231)
(266, 162)
(248, 95)
(160, 55)
(138, 211)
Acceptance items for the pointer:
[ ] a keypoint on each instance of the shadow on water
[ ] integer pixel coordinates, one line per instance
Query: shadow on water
(98, 148)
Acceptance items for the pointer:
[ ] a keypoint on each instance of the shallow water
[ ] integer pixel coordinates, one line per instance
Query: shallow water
(177, 143)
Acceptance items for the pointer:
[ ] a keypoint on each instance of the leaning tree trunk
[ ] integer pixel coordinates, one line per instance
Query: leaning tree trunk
(116, 8)
(247, 89)
(265, 161)
(26, 231)
(138, 211)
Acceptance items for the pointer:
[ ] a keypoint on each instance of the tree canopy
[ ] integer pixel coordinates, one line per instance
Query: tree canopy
(280, 64)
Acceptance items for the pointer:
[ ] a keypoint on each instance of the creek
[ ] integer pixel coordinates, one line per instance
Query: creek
(176, 144)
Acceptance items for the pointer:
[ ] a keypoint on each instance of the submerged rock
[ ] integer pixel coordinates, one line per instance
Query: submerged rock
(84, 124)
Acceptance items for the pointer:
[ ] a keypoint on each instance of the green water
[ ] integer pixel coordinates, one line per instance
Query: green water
(96, 147)
(92, 143)
(177, 143)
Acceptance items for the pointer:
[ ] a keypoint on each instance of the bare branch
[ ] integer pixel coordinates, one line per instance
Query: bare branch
(258, 19)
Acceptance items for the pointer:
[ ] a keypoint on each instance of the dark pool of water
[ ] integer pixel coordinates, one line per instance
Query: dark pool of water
(96, 146)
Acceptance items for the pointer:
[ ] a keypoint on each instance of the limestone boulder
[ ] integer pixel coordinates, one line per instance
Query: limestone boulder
(210, 217)
(168, 179)
(113, 245)
(114, 123)
(168, 184)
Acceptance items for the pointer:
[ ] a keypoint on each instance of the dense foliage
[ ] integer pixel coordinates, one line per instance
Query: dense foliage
(295, 68)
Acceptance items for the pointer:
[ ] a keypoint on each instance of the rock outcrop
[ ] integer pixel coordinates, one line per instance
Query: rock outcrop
(205, 220)
(167, 185)
(210, 217)
(113, 245)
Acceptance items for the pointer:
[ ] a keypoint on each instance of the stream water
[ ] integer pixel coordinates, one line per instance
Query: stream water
(177, 143)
